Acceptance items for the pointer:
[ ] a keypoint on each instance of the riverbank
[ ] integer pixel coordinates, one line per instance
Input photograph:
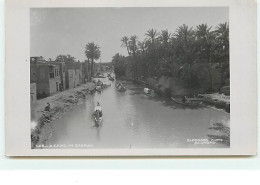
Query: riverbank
(60, 103)
(216, 100)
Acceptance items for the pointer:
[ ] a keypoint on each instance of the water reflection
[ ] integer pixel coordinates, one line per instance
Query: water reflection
(134, 120)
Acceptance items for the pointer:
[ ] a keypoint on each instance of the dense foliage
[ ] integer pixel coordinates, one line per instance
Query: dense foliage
(189, 54)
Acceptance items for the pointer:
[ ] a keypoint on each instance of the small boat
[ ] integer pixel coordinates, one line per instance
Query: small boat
(149, 92)
(186, 102)
(98, 88)
(101, 76)
(121, 89)
(111, 78)
(98, 115)
(105, 85)
(98, 120)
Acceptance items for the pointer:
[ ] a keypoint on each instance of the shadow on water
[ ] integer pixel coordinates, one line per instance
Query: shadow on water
(165, 101)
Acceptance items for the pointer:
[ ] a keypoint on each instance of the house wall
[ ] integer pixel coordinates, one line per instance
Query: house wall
(33, 92)
(78, 77)
(47, 78)
(62, 73)
(54, 83)
(42, 82)
(70, 79)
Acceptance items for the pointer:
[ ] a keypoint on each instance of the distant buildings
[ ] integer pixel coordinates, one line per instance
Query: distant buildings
(51, 77)
(46, 76)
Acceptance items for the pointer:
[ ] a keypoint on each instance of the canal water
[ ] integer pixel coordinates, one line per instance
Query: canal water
(133, 120)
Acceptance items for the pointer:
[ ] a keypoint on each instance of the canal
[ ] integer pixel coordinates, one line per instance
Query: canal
(133, 120)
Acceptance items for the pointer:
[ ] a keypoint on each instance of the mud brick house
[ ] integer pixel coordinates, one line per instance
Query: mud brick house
(62, 73)
(46, 76)
(33, 97)
(73, 77)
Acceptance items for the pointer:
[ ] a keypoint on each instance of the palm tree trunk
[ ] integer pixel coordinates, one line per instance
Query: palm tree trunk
(210, 72)
(92, 68)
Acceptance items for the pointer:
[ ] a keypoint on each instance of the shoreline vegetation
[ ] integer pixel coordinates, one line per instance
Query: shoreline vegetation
(219, 101)
(60, 103)
(190, 61)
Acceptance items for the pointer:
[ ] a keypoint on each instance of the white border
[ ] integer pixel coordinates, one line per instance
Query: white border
(243, 78)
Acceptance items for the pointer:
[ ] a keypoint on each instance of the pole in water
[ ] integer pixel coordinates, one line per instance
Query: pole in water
(130, 145)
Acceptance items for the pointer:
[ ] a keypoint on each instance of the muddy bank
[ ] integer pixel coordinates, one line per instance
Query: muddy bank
(60, 103)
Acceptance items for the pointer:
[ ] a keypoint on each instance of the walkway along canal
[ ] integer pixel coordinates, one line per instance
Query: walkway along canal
(133, 120)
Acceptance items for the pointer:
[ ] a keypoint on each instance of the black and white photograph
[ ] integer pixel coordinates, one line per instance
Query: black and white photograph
(129, 78)
(97, 78)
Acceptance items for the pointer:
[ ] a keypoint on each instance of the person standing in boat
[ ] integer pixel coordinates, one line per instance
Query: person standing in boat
(98, 110)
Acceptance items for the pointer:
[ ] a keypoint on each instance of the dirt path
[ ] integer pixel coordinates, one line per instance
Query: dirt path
(60, 103)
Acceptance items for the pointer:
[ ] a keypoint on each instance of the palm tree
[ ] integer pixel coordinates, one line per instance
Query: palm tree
(92, 51)
(165, 37)
(222, 31)
(151, 34)
(133, 44)
(206, 43)
(133, 49)
(125, 40)
(185, 44)
(142, 46)
(151, 41)
(222, 39)
(186, 54)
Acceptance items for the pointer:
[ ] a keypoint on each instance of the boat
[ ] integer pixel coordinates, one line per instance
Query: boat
(99, 75)
(98, 120)
(98, 88)
(98, 115)
(149, 92)
(105, 85)
(111, 78)
(187, 102)
(121, 88)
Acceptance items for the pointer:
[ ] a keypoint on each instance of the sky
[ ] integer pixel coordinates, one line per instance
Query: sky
(55, 31)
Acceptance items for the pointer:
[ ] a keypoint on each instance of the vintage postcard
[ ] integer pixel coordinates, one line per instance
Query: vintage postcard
(87, 78)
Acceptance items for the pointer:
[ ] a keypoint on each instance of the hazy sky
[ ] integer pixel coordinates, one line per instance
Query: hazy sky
(55, 31)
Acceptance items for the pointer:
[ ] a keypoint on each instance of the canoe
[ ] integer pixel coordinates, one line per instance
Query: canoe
(188, 103)
(98, 121)
(121, 89)
(111, 79)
